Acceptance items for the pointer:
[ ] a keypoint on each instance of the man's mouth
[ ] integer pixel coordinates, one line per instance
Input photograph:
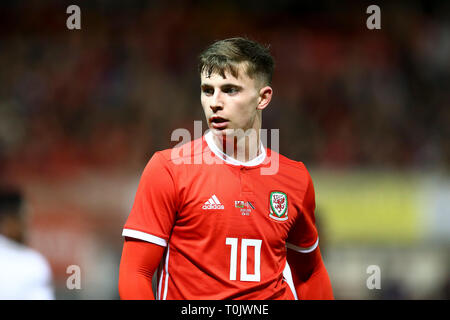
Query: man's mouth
(218, 122)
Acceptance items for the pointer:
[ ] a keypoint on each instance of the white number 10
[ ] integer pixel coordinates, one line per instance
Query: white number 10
(245, 243)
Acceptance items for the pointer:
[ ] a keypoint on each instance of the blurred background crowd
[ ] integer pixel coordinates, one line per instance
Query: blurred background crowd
(368, 111)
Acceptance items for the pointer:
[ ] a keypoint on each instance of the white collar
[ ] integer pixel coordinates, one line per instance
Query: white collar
(230, 160)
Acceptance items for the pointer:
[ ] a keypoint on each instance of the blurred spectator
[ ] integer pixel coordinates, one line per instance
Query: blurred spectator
(24, 273)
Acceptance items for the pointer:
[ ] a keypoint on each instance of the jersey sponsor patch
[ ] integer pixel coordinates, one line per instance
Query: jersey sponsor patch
(246, 207)
(278, 206)
(213, 203)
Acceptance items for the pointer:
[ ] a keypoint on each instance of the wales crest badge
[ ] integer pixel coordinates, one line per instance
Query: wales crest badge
(278, 206)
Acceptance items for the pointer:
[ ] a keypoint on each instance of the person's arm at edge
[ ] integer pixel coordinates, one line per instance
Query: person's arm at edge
(139, 261)
(309, 275)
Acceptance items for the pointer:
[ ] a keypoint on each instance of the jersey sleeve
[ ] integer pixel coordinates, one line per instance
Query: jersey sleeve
(155, 205)
(303, 237)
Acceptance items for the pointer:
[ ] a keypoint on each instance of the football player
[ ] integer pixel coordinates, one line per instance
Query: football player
(222, 228)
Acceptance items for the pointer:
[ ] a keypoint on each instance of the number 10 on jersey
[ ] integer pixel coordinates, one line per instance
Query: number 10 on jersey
(245, 243)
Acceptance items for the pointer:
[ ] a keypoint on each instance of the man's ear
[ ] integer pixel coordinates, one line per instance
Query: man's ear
(265, 95)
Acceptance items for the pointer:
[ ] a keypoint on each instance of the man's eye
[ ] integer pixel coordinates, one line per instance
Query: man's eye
(208, 91)
(231, 90)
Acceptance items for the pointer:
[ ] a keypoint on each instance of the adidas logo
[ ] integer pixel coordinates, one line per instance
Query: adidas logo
(213, 203)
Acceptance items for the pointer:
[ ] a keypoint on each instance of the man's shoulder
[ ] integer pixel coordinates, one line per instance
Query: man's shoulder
(285, 162)
(14, 252)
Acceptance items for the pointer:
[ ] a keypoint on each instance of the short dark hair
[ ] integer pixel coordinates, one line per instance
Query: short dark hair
(11, 201)
(226, 55)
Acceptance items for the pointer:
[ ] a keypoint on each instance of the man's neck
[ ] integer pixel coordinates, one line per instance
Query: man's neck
(241, 147)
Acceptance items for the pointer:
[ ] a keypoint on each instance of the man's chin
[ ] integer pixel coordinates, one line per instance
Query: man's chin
(232, 133)
(223, 133)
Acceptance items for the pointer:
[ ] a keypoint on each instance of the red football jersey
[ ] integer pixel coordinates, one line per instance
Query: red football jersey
(225, 225)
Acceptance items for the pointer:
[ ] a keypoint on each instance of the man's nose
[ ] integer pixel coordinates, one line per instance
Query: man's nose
(216, 102)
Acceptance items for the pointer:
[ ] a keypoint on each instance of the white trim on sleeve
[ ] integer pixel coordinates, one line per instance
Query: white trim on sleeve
(144, 236)
(287, 275)
(303, 250)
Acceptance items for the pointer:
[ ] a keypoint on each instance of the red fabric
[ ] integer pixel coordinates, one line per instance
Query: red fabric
(140, 260)
(224, 238)
(310, 277)
(137, 266)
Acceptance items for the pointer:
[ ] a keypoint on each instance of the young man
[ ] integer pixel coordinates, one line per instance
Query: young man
(223, 228)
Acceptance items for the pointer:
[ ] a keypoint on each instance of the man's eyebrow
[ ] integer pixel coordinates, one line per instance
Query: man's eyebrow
(204, 86)
(230, 85)
(225, 85)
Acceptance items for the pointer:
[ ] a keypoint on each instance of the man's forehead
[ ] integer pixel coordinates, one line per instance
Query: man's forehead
(228, 77)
